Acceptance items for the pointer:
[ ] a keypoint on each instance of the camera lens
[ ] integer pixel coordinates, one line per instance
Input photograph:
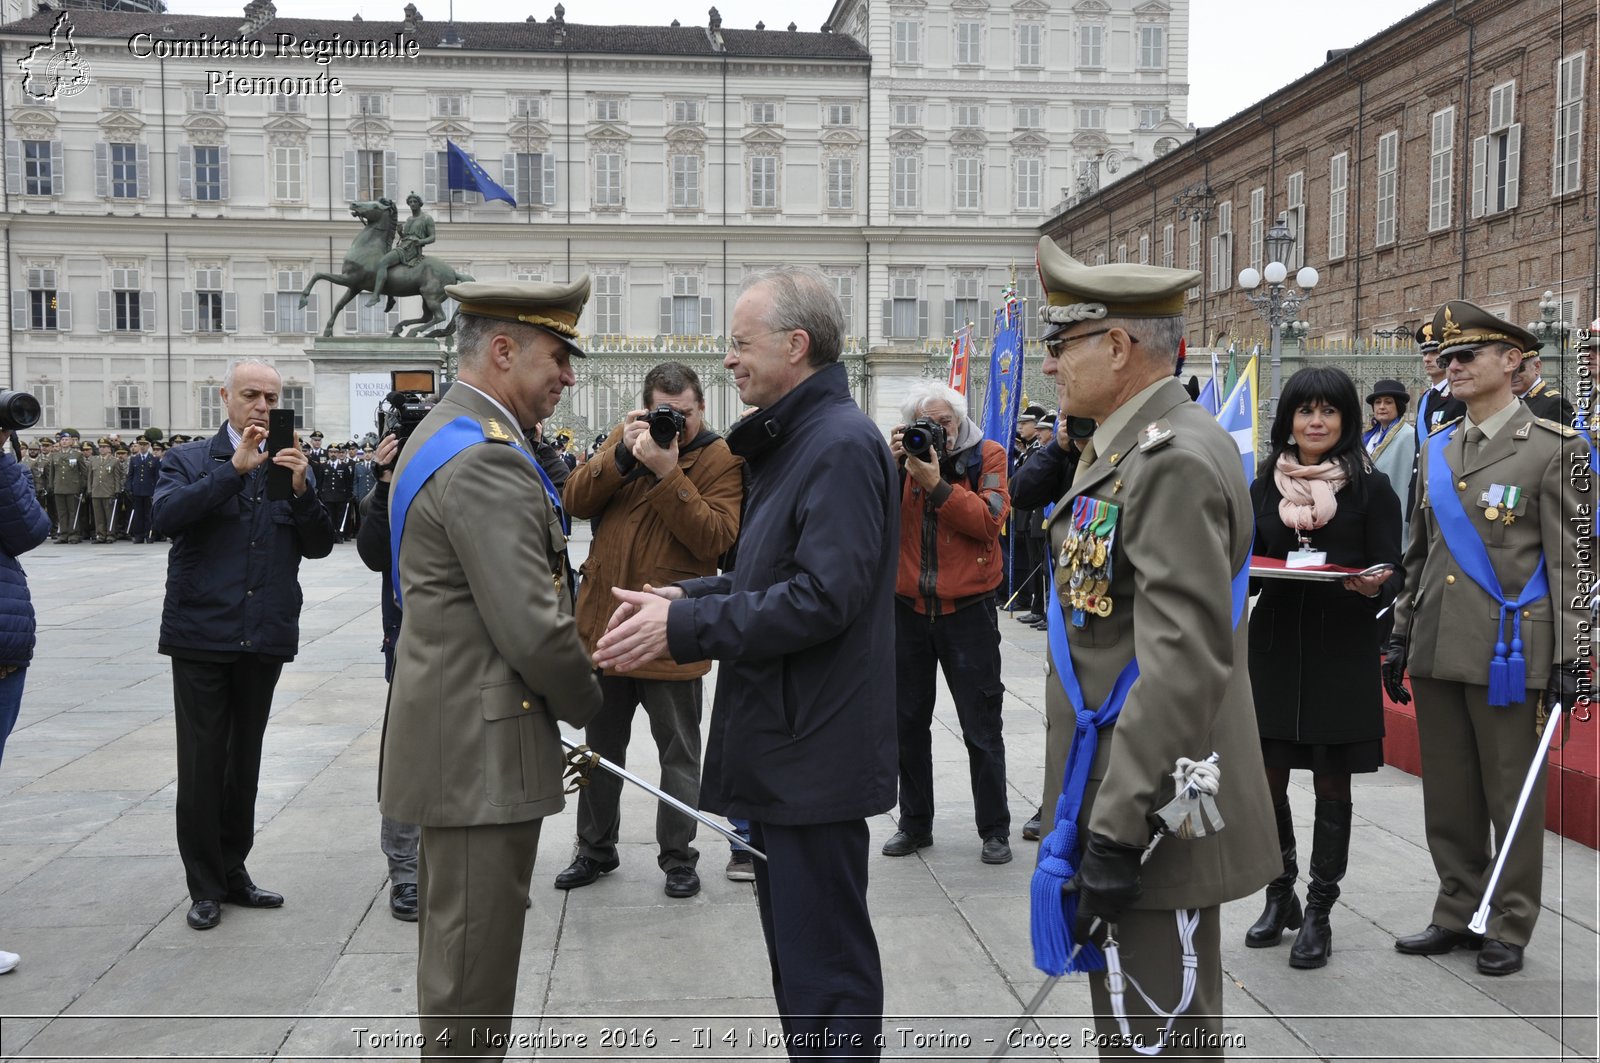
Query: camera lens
(18, 410)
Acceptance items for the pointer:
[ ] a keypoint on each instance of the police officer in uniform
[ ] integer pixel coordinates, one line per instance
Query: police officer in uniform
(1150, 543)
(489, 656)
(1435, 407)
(1543, 398)
(1503, 506)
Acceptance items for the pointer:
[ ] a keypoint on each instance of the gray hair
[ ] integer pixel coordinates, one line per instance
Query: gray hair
(227, 378)
(803, 299)
(931, 391)
(1158, 336)
(474, 332)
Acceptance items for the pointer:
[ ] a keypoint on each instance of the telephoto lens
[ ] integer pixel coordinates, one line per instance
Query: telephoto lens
(18, 410)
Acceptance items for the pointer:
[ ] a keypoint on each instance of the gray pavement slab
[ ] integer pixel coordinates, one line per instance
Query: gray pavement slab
(92, 894)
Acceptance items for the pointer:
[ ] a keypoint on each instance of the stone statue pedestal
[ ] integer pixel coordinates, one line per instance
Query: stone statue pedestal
(351, 373)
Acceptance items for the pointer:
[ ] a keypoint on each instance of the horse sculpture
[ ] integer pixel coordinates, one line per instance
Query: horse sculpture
(427, 277)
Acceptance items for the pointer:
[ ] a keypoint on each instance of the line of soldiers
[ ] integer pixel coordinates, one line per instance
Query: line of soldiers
(95, 492)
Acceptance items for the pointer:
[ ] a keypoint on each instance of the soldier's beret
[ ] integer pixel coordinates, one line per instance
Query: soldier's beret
(552, 307)
(1077, 292)
(1460, 325)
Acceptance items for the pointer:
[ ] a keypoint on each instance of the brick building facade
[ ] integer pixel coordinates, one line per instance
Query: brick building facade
(1451, 156)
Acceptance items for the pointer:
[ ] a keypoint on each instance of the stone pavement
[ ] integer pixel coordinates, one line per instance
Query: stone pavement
(92, 895)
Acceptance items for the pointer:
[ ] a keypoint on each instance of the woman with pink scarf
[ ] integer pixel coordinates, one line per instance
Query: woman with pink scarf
(1314, 661)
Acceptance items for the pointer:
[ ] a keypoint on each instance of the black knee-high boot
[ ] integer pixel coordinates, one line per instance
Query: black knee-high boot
(1330, 855)
(1283, 907)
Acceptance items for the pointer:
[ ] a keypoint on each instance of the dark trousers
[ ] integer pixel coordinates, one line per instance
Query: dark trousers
(966, 644)
(1024, 581)
(140, 528)
(673, 708)
(826, 974)
(221, 711)
(48, 501)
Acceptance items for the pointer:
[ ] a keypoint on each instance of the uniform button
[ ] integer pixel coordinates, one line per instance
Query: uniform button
(683, 493)
(1461, 485)
(249, 594)
(527, 704)
(247, 642)
(1449, 579)
(1526, 613)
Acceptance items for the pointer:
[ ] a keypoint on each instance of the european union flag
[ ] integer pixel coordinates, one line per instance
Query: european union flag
(467, 175)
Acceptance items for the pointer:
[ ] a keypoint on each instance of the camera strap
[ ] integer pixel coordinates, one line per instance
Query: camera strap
(435, 454)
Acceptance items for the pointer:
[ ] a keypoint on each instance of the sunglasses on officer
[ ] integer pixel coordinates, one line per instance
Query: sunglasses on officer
(1055, 347)
(1465, 355)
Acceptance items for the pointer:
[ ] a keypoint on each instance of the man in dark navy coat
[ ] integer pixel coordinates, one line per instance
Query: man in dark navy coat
(802, 736)
(230, 622)
(143, 470)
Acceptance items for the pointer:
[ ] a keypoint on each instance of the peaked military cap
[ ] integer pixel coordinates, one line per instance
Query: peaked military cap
(1460, 324)
(1425, 340)
(1032, 413)
(1077, 292)
(552, 307)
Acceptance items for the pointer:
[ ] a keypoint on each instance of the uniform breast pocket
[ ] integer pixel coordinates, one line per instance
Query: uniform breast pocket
(508, 711)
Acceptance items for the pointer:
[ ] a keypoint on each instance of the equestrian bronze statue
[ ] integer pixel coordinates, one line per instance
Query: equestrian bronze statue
(375, 263)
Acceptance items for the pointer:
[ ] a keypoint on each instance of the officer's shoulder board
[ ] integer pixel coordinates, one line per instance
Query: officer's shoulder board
(1564, 430)
(1156, 434)
(496, 432)
(1445, 424)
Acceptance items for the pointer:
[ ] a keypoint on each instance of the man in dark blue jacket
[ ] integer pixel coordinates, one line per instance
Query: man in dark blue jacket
(143, 469)
(230, 622)
(23, 525)
(802, 737)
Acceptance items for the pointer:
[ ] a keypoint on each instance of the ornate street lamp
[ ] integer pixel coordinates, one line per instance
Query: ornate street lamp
(1279, 303)
(1548, 328)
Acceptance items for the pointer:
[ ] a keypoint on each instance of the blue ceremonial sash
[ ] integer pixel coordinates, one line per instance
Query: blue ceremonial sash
(1507, 670)
(1052, 911)
(446, 443)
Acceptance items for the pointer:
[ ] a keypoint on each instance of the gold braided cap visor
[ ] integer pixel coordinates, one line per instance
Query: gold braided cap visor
(1478, 337)
(557, 321)
(1162, 306)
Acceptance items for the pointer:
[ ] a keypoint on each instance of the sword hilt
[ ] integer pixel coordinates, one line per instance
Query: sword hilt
(581, 760)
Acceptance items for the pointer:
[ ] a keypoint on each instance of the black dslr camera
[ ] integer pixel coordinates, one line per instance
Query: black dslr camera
(18, 410)
(924, 439)
(666, 424)
(404, 408)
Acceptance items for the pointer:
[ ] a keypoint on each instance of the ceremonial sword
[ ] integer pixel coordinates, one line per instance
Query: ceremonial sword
(581, 759)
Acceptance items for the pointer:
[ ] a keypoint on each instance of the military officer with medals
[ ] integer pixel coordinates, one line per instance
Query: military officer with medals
(1486, 627)
(1542, 398)
(1151, 547)
(488, 658)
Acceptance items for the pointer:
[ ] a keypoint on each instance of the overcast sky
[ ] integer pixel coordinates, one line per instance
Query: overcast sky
(1240, 51)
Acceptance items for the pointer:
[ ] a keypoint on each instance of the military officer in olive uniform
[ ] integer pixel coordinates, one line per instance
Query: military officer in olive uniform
(1149, 544)
(489, 656)
(69, 478)
(1508, 495)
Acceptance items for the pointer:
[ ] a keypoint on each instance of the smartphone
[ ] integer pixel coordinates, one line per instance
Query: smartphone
(280, 436)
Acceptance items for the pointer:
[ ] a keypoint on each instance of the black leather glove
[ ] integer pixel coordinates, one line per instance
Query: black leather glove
(1394, 670)
(1107, 882)
(1563, 687)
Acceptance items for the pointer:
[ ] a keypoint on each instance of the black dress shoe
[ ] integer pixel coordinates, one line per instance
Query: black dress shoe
(682, 882)
(583, 871)
(1029, 618)
(203, 915)
(903, 844)
(1499, 957)
(403, 901)
(1032, 828)
(1436, 941)
(252, 896)
(1043, 625)
(996, 851)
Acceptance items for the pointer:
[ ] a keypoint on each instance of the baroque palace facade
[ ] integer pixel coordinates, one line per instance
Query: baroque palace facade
(164, 210)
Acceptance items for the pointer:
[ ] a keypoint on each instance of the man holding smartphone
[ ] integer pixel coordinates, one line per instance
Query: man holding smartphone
(230, 622)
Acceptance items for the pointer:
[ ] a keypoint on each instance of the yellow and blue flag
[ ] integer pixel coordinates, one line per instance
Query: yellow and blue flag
(465, 174)
(1239, 416)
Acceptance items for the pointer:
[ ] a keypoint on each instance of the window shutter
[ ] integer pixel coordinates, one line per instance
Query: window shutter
(269, 312)
(708, 320)
(508, 171)
(985, 318)
(185, 173)
(922, 319)
(143, 171)
(949, 317)
(230, 312)
(111, 415)
(58, 168)
(351, 322)
(430, 176)
(1513, 163)
(222, 173)
(102, 169)
(350, 176)
(147, 311)
(144, 416)
(550, 180)
(20, 305)
(186, 311)
(1480, 155)
(14, 167)
(888, 318)
(103, 310)
(313, 313)
(391, 175)
(63, 310)
(666, 315)
(392, 320)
